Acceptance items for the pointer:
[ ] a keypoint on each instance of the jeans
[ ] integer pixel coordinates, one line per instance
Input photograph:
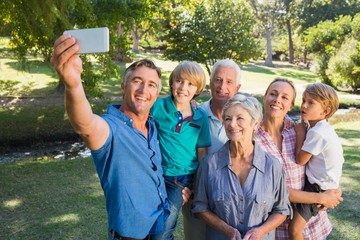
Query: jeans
(174, 187)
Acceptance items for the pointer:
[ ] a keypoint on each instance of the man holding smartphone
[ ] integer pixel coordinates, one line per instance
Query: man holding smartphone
(123, 142)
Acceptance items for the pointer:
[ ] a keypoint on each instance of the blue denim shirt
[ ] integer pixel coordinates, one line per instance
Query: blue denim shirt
(129, 169)
(218, 190)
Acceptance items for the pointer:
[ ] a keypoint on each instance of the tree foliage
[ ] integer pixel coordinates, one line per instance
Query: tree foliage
(336, 45)
(214, 30)
(311, 12)
(267, 12)
(34, 24)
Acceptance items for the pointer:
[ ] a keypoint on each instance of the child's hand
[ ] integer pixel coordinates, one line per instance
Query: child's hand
(331, 198)
(186, 194)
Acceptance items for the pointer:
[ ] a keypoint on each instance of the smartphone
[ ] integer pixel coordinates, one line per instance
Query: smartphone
(91, 40)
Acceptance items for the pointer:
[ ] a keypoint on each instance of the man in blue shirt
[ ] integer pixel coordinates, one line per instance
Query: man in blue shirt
(123, 141)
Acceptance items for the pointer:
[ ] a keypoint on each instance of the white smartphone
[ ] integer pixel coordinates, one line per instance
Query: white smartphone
(91, 40)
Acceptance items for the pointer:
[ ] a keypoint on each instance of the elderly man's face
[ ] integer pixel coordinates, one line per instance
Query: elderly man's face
(223, 84)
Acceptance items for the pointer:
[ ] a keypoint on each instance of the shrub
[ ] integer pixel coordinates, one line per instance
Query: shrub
(344, 66)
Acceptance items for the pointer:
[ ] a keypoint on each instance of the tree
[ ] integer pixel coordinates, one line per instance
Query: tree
(344, 66)
(287, 17)
(311, 12)
(267, 12)
(336, 46)
(214, 30)
(36, 24)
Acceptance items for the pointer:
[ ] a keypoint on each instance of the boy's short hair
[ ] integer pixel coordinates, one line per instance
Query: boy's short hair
(190, 71)
(324, 94)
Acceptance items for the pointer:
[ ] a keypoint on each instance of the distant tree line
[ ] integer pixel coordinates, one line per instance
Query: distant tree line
(325, 32)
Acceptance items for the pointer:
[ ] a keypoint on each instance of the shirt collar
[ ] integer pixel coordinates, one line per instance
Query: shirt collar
(206, 107)
(259, 157)
(114, 110)
(288, 123)
(258, 161)
(171, 108)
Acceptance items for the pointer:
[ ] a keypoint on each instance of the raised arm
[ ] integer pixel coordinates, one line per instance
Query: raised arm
(301, 157)
(93, 129)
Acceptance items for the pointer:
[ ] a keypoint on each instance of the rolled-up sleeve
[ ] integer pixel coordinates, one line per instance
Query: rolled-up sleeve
(281, 199)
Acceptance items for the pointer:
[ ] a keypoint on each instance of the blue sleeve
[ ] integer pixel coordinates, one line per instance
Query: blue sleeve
(204, 136)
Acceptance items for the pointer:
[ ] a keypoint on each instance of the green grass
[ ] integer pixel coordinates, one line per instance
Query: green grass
(62, 199)
(50, 199)
(345, 217)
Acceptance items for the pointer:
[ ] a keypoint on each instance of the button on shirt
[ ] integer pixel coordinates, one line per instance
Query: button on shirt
(218, 190)
(129, 169)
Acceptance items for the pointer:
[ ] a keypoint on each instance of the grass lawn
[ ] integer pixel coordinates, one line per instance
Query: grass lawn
(62, 199)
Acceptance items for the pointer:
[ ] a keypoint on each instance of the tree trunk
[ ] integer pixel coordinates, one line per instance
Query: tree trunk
(291, 45)
(118, 51)
(268, 60)
(135, 36)
(60, 88)
(305, 55)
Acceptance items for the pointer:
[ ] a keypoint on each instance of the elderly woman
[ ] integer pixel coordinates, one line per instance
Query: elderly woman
(277, 136)
(240, 190)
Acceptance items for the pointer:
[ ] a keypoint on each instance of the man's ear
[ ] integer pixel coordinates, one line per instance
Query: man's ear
(238, 87)
(122, 88)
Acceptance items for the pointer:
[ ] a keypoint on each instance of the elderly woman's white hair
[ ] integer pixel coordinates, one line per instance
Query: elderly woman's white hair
(249, 103)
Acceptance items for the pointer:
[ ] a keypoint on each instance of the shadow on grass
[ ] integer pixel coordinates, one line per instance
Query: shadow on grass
(33, 67)
(345, 217)
(31, 125)
(52, 200)
(18, 88)
(283, 69)
(298, 75)
(349, 135)
(257, 69)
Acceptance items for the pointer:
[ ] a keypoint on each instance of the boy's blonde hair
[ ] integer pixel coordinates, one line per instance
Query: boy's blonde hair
(324, 94)
(191, 71)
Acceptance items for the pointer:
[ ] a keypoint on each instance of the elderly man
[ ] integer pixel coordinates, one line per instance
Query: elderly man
(123, 141)
(224, 84)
